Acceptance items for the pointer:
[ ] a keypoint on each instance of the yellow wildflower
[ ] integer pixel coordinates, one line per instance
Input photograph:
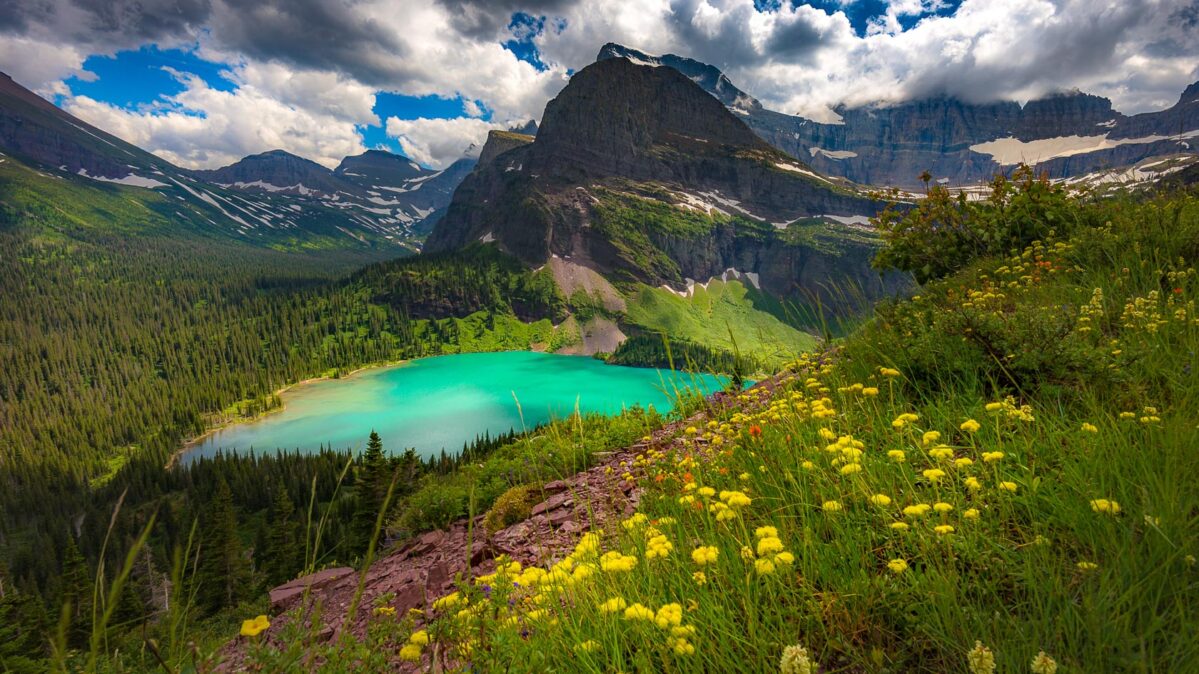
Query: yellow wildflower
(764, 567)
(831, 506)
(930, 437)
(963, 462)
(1087, 566)
(970, 514)
(669, 616)
(942, 507)
(1008, 486)
(943, 529)
(588, 646)
(1102, 505)
(970, 426)
(613, 605)
(705, 554)
(700, 578)
(410, 652)
(1088, 428)
(918, 510)
(638, 612)
(897, 455)
(897, 565)
(899, 526)
(254, 626)
(769, 545)
(973, 484)
(766, 532)
(981, 659)
(880, 500)
(851, 468)
(1043, 664)
(933, 474)
(795, 660)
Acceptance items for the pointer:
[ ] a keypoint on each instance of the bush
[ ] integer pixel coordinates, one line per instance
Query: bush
(946, 231)
(511, 507)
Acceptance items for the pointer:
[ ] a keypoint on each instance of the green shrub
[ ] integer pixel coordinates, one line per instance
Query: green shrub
(945, 232)
(511, 507)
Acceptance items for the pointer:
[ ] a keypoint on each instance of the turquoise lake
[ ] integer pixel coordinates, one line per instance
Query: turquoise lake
(439, 403)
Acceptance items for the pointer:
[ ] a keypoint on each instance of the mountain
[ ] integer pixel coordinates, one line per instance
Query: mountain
(376, 200)
(639, 187)
(1068, 135)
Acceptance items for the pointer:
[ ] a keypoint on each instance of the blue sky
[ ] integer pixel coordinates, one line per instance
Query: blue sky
(429, 78)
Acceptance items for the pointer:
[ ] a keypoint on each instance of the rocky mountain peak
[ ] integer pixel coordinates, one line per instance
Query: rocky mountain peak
(277, 168)
(617, 118)
(499, 142)
(709, 77)
(386, 167)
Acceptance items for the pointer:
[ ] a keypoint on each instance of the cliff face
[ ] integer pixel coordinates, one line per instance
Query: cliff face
(893, 145)
(639, 174)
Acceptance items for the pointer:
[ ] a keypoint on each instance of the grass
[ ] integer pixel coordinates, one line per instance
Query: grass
(708, 314)
(997, 472)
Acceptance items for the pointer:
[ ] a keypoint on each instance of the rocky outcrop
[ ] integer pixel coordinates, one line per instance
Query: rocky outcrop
(499, 142)
(622, 132)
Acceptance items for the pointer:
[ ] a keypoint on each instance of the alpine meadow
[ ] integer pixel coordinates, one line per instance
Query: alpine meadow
(599, 336)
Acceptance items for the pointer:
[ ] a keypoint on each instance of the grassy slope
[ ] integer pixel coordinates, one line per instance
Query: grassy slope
(1052, 428)
(706, 317)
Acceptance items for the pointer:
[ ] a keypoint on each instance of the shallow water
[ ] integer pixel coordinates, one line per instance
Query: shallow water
(439, 403)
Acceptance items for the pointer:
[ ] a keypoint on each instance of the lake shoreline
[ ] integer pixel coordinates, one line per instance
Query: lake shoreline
(192, 443)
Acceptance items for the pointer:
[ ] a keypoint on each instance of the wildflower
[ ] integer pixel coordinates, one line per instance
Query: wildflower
(918, 510)
(930, 437)
(1086, 428)
(981, 659)
(994, 407)
(897, 455)
(851, 468)
(943, 529)
(1043, 664)
(970, 426)
(933, 474)
(658, 546)
(706, 492)
(942, 507)
(992, 457)
(769, 545)
(970, 514)
(764, 567)
(385, 611)
(941, 452)
(831, 506)
(254, 626)
(795, 660)
(897, 565)
(735, 499)
(1087, 566)
(888, 372)
(766, 532)
(899, 526)
(638, 612)
(870, 391)
(616, 562)
(1102, 505)
(612, 605)
(410, 652)
(880, 500)
(588, 646)
(1008, 486)
(784, 558)
(705, 554)
(807, 465)
(973, 484)
(670, 615)
(963, 462)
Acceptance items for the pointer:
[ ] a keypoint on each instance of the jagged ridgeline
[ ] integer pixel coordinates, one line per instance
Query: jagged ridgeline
(640, 176)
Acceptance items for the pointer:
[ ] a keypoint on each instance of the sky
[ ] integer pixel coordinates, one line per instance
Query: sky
(203, 83)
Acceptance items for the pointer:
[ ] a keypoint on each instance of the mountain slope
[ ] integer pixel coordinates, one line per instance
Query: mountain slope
(1067, 135)
(273, 199)
(638, 183)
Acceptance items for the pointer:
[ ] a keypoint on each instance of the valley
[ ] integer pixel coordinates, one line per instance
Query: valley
(661, 379)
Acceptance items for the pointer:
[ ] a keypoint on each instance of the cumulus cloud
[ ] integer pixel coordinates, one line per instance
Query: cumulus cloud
(301, 64)
(202, 127)
(439, 142)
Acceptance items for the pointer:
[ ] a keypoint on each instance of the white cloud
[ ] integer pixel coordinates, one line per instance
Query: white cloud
(439, 142)
(202, 127)
(40, 66)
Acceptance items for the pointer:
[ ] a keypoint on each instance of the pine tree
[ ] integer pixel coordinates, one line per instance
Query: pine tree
(222, 574)
(370, 487)
(284, 554)
(77, 594)
(23, 628)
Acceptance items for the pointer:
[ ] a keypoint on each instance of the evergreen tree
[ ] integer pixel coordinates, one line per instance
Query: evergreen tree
(284, 552)
(222, 574)
(372, 479)
(24, 627)
(77, 594)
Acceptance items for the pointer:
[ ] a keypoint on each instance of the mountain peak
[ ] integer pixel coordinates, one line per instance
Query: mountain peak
(708, 77)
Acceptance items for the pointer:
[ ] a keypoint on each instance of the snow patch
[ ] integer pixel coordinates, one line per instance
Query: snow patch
(131, 179)
(831, 154)
(796, 168)
(1009, 151)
